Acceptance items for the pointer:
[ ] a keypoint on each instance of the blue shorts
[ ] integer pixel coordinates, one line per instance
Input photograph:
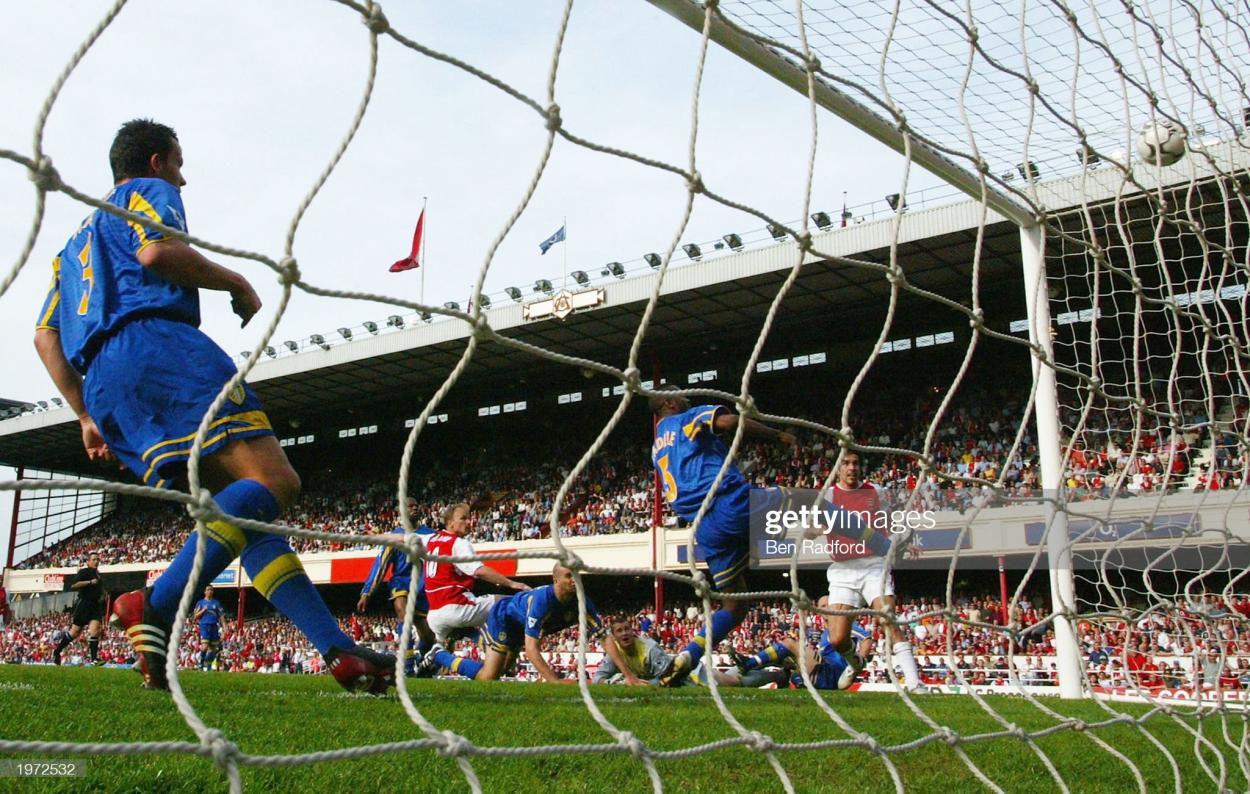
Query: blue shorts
(148, 390)
(724, 533)
(500, 632)
(401, 586)
(210, 632)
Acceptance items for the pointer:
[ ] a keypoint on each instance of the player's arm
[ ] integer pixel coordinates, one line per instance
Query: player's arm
(376, 572)
(726, 422)
(80, 582)
(180, 264)
(69, 384)
(489, 574)
(534, 652)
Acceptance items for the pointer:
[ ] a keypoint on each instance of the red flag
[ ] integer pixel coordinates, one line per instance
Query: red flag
(409, 262)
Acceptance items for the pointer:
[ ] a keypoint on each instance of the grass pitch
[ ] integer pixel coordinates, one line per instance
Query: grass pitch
(270, 714)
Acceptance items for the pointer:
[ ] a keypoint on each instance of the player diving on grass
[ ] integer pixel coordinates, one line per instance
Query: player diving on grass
(687, 455)
(119, 335)
(824, 663)
(395, 569)
(519, 622)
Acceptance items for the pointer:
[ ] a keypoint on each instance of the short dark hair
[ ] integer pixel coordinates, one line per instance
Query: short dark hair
(657, 400)
(134, 145)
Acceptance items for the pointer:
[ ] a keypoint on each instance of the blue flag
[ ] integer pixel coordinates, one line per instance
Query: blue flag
(558, 237)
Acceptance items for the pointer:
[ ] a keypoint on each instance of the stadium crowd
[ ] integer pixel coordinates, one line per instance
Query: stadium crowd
(614, 494)
(1161, 652)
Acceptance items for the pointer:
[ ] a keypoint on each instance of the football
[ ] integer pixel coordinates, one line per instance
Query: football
(1161, 143)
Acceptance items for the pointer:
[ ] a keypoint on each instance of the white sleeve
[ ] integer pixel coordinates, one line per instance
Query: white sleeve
(461, 548)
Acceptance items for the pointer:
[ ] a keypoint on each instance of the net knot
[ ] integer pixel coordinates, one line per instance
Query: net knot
(805, 241)
(1079, 725)
(699, 584)
(746, 405)
(633, 744)
(870, 744)
(813, 63)
(204, 508)
(1018, 732)
(224, 752)
(571, 561)
(288, 271)
(695, 183)
(376, 21)
(947, 735)
(454, 745)
(414, 546)
(633, 379)
(45, 176)
(760, 742)
(553, 117)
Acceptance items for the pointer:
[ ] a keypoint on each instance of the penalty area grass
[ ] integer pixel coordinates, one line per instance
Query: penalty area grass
(286, 714)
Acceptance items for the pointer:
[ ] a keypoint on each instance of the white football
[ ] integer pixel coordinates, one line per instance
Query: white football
(1161, 143)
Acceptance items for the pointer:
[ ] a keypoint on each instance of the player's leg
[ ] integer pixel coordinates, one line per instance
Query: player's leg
(724, 619)
(845, 593)
(66, 639)
(772, 654)
(900, 649)
(723, 536)
(399, 602)
(93, 640)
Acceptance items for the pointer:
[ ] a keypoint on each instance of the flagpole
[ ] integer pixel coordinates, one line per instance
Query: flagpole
(565, 248)
(421, 262)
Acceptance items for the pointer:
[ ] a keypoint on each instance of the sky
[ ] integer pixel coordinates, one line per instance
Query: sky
(262, 93)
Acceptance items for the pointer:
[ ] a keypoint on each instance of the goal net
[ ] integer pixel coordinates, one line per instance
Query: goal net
(1111, 478)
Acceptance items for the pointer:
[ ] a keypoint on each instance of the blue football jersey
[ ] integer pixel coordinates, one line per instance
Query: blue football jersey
(97, 281)
(539, 612)
(398, 563)
(212, 611)
(688, 455)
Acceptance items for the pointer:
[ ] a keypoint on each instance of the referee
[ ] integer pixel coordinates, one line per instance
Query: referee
(87, 610)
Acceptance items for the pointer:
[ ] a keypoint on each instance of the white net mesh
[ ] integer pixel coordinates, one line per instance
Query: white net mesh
(1144, 273)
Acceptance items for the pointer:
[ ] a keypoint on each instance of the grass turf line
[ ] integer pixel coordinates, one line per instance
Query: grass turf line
(270, 714)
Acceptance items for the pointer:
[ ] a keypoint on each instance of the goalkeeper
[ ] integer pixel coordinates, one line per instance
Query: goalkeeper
(645, 661)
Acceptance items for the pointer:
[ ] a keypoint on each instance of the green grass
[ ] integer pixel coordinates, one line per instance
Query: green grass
(269, 714)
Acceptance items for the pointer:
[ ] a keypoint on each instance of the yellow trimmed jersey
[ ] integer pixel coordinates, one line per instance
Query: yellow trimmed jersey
(98, 283)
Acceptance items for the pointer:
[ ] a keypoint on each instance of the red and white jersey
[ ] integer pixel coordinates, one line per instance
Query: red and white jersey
(869, 501)
(447, 582)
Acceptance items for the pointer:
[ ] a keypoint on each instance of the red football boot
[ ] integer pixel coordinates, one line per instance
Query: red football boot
(362, 670)
(148, 635)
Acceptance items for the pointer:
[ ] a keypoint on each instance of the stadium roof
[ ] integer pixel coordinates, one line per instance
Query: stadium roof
(720, 300)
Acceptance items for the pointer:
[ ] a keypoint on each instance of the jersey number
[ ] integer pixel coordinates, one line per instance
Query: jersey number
(670, 485)
(88, 275)
(431, 567)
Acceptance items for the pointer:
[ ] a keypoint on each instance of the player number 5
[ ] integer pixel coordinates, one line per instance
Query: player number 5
(670, 485)
(88, 275)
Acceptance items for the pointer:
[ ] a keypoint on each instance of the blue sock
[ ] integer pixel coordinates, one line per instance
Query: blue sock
(722, 622)
(423, 646)
(768, 656)
(279, 576)
(223, 542)
(458, 664)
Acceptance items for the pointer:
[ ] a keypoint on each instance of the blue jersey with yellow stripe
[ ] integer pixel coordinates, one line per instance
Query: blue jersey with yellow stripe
(536, 613)
(688, 455)
(98, 283)
(397, 564)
